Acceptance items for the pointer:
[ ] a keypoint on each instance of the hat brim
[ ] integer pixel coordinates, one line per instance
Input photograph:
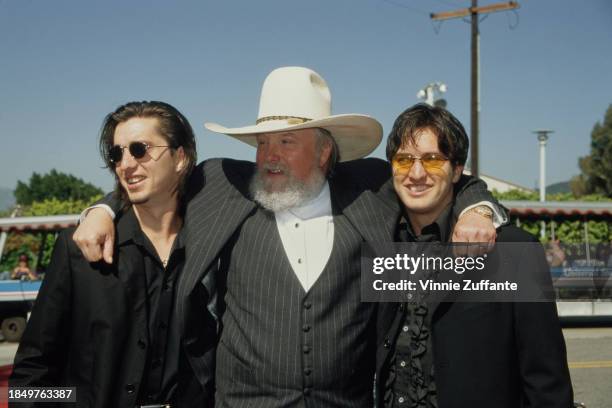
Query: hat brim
(356, 135)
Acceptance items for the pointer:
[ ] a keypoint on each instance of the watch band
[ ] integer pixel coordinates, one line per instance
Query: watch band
(484, 211)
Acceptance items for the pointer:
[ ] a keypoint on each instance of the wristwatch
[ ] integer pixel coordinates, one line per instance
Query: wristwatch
(483, 210)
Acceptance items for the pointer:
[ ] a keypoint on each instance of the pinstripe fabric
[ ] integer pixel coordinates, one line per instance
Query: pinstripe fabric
(260, 357)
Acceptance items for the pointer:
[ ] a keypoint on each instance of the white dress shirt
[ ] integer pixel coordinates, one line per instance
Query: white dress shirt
(307, 234)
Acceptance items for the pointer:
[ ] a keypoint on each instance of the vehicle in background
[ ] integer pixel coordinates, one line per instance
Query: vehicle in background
(17, 296)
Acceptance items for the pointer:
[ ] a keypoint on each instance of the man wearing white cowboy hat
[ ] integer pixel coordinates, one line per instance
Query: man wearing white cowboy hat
(283, 239)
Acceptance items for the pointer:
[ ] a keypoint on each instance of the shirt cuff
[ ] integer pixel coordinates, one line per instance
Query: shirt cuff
(499, 218)
(105, 207)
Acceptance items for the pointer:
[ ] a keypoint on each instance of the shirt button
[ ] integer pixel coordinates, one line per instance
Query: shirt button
(405, 328)
(403, 364)
(297, 224)
(306, 328)
(401, 400)
(129, 388)
(299, 260)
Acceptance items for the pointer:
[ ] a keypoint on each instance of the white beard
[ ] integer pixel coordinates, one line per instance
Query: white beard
(294, 195)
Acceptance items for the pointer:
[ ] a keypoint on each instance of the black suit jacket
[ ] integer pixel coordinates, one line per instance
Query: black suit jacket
(489, 354)
(88, 329)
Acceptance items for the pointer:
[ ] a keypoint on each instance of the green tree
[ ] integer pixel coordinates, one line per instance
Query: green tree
(596, 168)
(61, 186)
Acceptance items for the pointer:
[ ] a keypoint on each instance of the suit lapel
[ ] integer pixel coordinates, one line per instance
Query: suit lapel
(213, 215)
(374, 218)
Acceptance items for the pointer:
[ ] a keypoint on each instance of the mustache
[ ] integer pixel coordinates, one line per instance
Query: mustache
(275, 167)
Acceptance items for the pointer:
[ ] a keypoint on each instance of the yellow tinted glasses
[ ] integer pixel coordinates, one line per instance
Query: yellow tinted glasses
(403, 162)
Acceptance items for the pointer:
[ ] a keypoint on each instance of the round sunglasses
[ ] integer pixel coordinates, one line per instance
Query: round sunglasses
(137, 150)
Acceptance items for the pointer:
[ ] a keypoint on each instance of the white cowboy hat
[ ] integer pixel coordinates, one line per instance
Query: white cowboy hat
(294, 98)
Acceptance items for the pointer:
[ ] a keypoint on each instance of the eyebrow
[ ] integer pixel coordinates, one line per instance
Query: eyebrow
(422, 153)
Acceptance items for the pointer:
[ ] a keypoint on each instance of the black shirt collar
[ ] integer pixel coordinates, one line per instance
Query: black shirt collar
(439, 230)
(129, 230)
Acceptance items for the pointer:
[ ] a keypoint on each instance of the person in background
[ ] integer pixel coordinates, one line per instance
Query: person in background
(22, 270)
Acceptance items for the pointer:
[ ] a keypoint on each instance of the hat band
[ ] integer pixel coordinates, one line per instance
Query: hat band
(292, 120)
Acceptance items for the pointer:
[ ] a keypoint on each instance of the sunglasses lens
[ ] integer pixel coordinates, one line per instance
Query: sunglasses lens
(138, 150)
(402, 164)
(115, 154)
(433, 162)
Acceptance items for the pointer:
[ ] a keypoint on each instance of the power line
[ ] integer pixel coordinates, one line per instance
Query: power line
(510, 25)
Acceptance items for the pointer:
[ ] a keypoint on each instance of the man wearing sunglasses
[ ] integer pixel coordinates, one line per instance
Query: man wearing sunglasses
(457, 355)
(110, 330)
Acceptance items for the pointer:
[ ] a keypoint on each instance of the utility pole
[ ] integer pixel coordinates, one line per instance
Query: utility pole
(475, 13)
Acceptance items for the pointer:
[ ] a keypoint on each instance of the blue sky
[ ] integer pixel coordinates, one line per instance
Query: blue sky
(65, 64)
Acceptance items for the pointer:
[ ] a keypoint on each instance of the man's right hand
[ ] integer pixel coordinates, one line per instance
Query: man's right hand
(95, 236)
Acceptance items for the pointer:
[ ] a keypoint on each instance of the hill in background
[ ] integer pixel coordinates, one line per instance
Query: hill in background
(562, 187)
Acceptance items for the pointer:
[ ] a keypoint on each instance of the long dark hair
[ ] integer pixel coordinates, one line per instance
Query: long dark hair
(173, 127)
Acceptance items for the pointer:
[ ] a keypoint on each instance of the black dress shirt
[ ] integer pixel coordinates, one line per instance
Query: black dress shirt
(159, 380)
(411, 377)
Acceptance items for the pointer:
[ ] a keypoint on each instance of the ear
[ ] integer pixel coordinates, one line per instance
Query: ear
(457, 172)
(181, 159)
(325, 155)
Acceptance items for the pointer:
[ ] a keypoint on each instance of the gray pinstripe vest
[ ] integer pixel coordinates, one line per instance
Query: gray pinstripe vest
(283, 347)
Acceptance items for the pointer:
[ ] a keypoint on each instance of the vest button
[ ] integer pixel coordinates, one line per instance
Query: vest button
(307, 371)
(142, 344)
(306, 349)
(130, 388)
(387, 344)
(306, 391)
(306, 328)
(307, 305)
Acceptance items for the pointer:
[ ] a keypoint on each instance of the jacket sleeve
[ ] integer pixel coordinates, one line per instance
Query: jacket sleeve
(111, 201)
(471, 190)
(540, 346)
(43, 351)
